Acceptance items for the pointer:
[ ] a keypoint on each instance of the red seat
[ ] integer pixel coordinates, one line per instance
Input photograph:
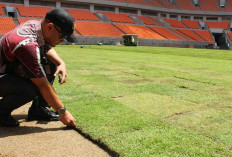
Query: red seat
(142, 31)
(97, 29)
(123, 18)
(82, 15)
(7, 24)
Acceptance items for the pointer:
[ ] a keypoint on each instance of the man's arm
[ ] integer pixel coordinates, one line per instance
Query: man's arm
(51, 97)
(61, 67)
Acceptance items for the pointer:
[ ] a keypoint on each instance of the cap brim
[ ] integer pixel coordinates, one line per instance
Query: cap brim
(71, 38)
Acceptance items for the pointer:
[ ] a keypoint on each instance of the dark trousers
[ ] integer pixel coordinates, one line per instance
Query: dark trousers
(17, 91)
(39, 100)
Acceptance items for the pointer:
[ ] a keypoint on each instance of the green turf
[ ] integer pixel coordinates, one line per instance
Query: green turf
(151, 101)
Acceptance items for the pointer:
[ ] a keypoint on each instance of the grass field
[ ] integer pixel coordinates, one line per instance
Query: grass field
(151, 101)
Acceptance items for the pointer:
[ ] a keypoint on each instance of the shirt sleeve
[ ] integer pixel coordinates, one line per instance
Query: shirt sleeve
(29, 57)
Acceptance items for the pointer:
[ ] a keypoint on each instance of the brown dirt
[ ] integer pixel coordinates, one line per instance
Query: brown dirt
(44, 139)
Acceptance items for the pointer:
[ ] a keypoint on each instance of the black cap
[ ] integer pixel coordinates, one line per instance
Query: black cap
(64, 21)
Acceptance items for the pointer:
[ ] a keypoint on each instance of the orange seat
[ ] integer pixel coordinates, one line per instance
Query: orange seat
(123, 18)
(210, 5)
(142, 31)
(7, 24)
(190, 34)
(186, 5)
(205, 34)
(166, 33)
(82, 15)
(217, 24)
(140, 2)
(230, 35)
(1, 11)
(97, 29)
(32, 11)
(174, 23)
(157, 3)
(191, 24)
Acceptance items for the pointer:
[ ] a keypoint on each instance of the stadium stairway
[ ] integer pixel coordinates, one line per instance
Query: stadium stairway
(137, 20)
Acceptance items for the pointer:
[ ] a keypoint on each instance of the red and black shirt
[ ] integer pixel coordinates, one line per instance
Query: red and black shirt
(22, 50)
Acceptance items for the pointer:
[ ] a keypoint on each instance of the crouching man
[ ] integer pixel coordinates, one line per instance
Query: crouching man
(26, 56)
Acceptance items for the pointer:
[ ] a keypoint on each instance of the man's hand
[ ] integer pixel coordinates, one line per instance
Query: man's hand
(67, 119)
(61, 69)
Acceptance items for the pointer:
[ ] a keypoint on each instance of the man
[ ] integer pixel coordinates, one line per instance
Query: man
(23, 52)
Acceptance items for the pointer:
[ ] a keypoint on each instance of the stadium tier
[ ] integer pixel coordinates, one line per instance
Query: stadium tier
(7, 24)
(218, 25)
(140, 2)
(190, 34)
(145, 20)
(1, 7)
(174, 23)
(122, 18)
(210, 5)
(204, 34)
(156, 20)
(166, 33)
(182, 35)
(97, 29)
(142, 31)
(191, 24)
(121, 1)
(228, 6)
(168, 4)
(230, 35)
(82, 15)
(157, 3)
(186, 5)
(32, 11)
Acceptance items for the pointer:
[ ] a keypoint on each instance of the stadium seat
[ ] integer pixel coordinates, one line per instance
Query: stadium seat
(168, 4)
(174, 23)
(121, 1)
(97, 29)
(156, 21)
(1, 7)
(210, 5)
(122, 18)
(82, 15)
(7, 24)
(190, 34)
(183, 36)
(230, 35)
(191, 24)
(205, 34)
(218, 25)
(145, 20)
(142, 31)
(166, 33)
(32, 11)
(186, 5)
(157, 3)
(228, 6)
(139, 2)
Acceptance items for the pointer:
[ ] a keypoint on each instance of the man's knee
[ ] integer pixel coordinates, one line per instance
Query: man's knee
(31, 91)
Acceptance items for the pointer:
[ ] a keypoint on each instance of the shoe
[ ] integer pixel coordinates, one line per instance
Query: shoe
(42, 113)
(8, 121)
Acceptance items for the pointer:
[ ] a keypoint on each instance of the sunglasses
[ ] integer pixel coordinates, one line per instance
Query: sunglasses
(61, 36)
